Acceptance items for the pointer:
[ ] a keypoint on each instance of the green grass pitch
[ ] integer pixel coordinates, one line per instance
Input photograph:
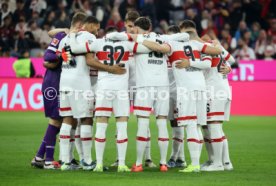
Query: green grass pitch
(252, 146)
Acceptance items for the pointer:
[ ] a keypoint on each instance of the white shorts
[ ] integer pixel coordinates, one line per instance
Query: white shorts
(172, 106)
(218, 110)
(116, 101)
(191, 108)
(148, 98)
(76, 104)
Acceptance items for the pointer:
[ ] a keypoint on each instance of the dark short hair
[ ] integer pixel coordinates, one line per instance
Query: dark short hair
(78, 17)
(19, 1)
(110, 29)
(31, 22)
(174, 29)
(187, 24)
(143, 23)
(91, 19)
(132, 16)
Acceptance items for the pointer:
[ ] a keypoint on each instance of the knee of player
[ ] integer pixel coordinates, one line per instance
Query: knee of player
(121, 119)
(139, 116)
(69, 120)
(101, 119)
(55, 122)
(86, 121)
(161, 117)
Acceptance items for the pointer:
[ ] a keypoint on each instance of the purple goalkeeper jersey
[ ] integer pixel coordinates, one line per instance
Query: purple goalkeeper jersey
(50, 85)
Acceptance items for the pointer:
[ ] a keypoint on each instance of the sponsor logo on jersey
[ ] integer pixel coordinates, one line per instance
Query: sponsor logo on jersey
(155, 62)
(55, 42)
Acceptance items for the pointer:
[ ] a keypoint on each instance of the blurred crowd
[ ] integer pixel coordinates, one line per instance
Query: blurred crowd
(247, 28)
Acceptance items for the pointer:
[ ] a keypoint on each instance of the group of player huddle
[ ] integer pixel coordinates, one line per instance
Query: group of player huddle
(191, 71)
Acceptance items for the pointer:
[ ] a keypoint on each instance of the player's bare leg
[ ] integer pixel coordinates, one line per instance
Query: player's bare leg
(86, 128)
(216, 141)
(47, 147)
(122, 141)
(100, 140)
(163, 141)
(141, 142)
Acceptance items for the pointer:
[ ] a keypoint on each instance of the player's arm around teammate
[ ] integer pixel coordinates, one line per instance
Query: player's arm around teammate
(50, 82)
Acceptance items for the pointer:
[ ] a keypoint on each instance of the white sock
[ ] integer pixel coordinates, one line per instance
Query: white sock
(178, 136)
(193, 144)
(78, 143)
(100, 139)
(72, 143)
(225, 149)
(122, 141)
(116, 135)
(200, 137)
(148, 146)
(86, 141)
(216, 142)
(142, 139)
(163, 139)
(60, 153)
(181, 154)
(207, 142)
(64, 136)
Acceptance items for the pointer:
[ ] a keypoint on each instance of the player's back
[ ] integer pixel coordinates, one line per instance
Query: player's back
(111, 53)
(151, 68)
(191, 78)
(213, 77)
(75, 76)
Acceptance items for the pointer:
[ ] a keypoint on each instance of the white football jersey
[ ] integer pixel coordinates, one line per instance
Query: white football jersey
(151, 68)
(111, 52)
(75, 77)
(132, 71)
(215, 81)
(190, 78)
(170, 75)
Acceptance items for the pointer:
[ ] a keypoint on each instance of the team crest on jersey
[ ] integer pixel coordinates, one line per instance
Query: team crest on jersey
(55, 42)
(90, 42)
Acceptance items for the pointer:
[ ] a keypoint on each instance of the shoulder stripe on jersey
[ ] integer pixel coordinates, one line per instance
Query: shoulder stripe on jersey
(204, 48)
(135, 48)
(87, 47)
(227, 57)
(105, 56)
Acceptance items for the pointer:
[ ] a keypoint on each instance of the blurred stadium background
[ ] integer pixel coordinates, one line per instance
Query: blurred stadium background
(247, 28)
